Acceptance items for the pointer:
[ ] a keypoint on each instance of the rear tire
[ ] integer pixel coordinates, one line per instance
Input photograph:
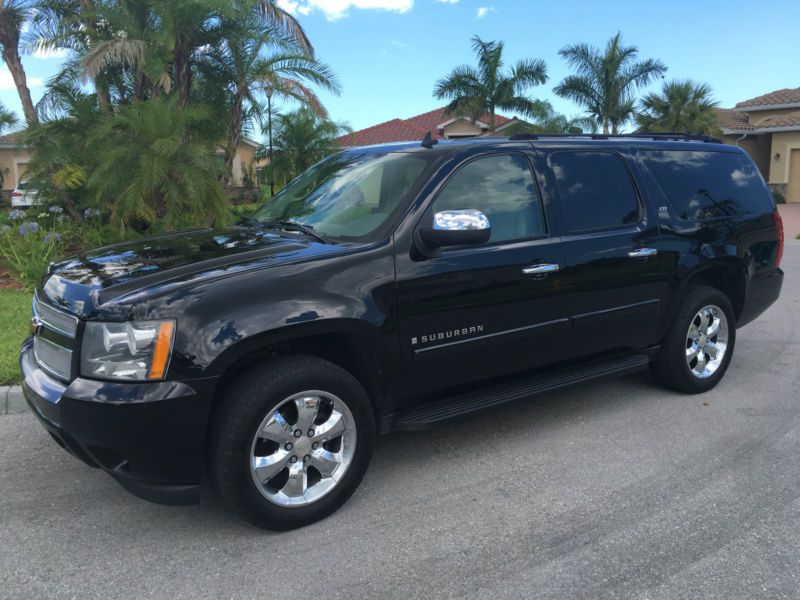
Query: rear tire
(291, 441)
(698, 347)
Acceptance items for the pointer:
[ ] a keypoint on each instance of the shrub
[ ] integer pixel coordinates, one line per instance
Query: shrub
(27, 248)
(778, 197)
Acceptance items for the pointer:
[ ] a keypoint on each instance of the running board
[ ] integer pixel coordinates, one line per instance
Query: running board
(431, 413)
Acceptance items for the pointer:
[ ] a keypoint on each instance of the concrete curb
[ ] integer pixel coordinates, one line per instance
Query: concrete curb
(12, 401)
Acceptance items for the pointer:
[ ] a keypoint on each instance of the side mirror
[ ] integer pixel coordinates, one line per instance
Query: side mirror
(456, 228)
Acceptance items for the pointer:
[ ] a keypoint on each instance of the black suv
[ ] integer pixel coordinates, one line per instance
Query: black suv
(393, 287)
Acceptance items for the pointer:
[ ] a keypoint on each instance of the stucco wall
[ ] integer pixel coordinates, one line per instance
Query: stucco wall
(461, 128)
(244, 159)
(12, 165)
(783, 142)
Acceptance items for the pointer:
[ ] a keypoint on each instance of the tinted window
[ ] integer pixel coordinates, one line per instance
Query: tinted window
(704, 185)
(595, 190)
(502, 188)
(349, 196)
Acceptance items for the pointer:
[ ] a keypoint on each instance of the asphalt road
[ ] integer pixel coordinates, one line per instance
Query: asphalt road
(613, 490)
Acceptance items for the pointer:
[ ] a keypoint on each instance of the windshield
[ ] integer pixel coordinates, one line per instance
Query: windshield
(350, 196)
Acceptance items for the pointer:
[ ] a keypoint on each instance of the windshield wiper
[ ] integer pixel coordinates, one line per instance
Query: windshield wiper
(306, 229)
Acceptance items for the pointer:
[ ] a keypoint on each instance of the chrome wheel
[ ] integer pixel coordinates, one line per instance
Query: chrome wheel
(707, 341)
(303, 448)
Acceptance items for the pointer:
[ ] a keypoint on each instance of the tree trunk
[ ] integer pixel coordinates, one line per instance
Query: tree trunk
(234, 135)
(605, 126)
(182, 69)
(14, 63)
(492, 120)
(103, 99)
(140, 86)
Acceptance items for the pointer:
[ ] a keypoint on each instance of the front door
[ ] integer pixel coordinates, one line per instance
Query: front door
(477, 312)
(616, 278)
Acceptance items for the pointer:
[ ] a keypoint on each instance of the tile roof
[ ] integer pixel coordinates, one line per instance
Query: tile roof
(738, 121)
(395, 130)
(403, 130)
(778, 97)
(791, 119)
(733, 119)
(12, 139)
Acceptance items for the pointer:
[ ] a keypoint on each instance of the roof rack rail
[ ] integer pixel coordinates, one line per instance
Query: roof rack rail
(667, 136)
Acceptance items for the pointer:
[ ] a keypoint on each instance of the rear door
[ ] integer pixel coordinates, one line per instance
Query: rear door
(613, 271)
(477, 312)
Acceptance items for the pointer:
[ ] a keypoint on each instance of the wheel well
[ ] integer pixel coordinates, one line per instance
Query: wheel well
(345, 350)
(729, 280)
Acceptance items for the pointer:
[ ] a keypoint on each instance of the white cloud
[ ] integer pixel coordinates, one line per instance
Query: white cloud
(7, 82)
(484, 10)
(336, 9)
(448, 1)
(399, 44)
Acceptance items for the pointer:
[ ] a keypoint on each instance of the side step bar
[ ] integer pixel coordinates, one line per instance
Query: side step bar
(431, 413)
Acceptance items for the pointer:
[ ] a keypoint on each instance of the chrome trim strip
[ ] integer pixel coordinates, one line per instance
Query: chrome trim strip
(55, 319)
(491, 335)
(66, 355)
(616, 309)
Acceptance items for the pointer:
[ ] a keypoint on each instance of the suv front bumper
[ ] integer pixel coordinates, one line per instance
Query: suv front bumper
(150, 437)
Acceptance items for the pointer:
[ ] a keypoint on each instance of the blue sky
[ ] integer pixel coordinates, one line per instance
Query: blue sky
(389, 53)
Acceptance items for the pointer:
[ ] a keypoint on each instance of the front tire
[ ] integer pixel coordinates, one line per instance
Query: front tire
(291, 441)
(697, 349)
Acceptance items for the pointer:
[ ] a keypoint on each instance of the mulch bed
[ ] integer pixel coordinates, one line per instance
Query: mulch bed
(8, 282)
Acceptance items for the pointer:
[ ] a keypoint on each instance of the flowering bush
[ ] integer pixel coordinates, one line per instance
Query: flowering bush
(27, 249)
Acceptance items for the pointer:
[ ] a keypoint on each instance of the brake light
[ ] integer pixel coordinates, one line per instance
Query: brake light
(16, 194)
(779, 225)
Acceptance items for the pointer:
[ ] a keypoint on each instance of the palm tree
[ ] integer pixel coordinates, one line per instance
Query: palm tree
(13, 14)
(550, 122)
(606, 79)
(7, 118)
(61, 149)
(303, 138)
(153, 171)
(681, 106)
(250, 69)
(475, 91)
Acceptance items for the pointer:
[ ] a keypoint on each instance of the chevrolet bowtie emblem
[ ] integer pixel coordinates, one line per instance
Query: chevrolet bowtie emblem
(35, 325)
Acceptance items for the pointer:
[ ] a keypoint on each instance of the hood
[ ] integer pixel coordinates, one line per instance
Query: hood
(123, 272)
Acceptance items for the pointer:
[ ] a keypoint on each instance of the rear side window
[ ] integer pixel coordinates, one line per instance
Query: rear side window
(595, 190)
(705, 185)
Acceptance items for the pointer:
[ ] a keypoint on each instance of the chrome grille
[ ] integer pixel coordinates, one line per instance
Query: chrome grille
(54, 319)
(53, 358)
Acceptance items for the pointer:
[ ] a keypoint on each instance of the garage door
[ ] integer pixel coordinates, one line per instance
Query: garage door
(793, 189)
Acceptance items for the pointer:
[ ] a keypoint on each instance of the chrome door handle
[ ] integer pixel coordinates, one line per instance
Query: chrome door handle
(642, 252)
(540, 269)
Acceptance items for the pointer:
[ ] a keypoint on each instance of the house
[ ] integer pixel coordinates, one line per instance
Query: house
(14, 159)
(768, 129)
(245, 163)
(437, 121)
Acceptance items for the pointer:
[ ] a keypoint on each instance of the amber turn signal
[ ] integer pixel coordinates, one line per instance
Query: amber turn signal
(161, 350)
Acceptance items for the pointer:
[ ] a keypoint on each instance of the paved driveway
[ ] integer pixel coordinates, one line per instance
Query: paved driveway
(614, 490)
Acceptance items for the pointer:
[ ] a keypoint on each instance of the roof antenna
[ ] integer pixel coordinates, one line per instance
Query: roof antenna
(428, 141)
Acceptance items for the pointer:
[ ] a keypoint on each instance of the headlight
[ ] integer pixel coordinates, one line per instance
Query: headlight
(135, 350)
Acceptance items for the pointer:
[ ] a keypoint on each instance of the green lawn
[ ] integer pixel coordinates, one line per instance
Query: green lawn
(15, 315)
